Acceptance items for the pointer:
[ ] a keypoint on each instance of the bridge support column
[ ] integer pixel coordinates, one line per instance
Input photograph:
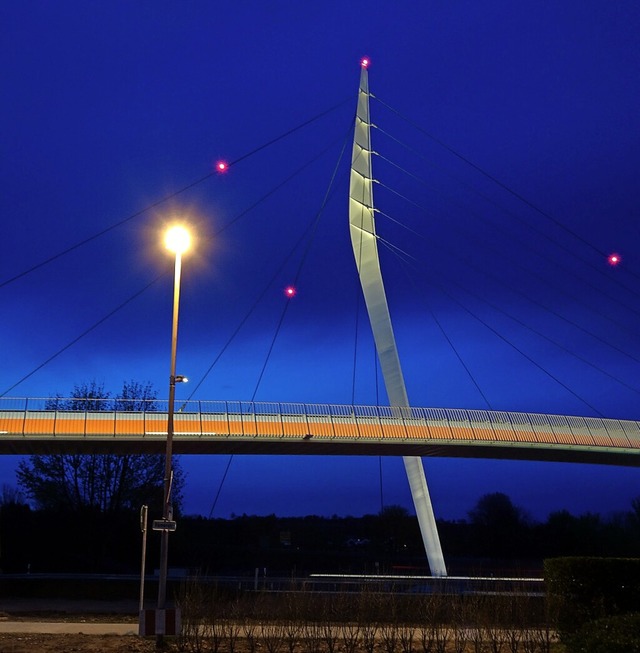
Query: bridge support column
(362, 228)
(426, 517)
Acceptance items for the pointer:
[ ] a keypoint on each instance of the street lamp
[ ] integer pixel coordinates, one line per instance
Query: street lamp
(177, 240)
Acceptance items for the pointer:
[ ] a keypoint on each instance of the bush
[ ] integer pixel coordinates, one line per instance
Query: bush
(620, 634)
(581, 590)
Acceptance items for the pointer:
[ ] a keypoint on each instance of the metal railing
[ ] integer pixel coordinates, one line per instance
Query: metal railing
(37, 417)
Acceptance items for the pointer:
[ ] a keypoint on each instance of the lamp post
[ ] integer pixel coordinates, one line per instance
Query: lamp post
(177, 240)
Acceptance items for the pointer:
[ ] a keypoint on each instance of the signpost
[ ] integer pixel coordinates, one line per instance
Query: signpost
(143, 527)
(161, 621)
(163, 525)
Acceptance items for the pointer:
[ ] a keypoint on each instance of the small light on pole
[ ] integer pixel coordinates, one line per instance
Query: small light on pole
(177, 240)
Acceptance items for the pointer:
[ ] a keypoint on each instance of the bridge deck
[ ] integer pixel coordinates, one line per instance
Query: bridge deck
(275, 428)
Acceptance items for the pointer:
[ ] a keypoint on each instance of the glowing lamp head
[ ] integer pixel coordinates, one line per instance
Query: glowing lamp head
(364, 62)
(614, 259)
(177, 239)
(290, 291)
(222, 166)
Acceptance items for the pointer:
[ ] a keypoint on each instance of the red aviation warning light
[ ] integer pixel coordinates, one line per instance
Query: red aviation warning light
(290, 291)
(365, 61)
(614, 259)
(222, 166)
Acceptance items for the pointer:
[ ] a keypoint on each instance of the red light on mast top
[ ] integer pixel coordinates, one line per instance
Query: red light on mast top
(614, 259)
(222, 166)
(365, 61)
(290, 291)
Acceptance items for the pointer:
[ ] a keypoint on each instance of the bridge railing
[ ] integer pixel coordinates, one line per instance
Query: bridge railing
(60, 416)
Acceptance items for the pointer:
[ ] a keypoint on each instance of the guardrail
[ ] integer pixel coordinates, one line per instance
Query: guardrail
(94, 418)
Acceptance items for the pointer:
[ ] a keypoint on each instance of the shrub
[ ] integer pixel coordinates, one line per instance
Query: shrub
(584, 589)
(619, 634)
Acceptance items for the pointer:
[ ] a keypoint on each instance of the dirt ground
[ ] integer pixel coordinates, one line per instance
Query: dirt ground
(81, 642)
(75, 642)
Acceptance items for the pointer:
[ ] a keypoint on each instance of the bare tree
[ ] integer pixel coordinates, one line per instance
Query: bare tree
(11, 496)
(107, 483)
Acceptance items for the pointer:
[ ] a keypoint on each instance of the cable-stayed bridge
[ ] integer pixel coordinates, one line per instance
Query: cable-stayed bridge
(29, 426)
(41, 426)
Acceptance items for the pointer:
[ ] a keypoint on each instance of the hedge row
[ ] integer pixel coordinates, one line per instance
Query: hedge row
(596, 602)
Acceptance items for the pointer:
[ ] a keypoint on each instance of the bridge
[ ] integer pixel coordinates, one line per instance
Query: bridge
(35, 426)
(41, 426)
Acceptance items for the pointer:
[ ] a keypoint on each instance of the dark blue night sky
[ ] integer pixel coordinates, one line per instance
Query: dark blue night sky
(508, 150)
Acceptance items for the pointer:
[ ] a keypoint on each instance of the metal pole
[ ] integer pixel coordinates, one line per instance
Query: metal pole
(143, 527)
(167, 510)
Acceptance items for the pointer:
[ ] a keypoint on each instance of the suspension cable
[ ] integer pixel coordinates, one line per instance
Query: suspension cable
(272, 279)
(85, 332)
(397, 252)
(314, 227)
(166, 198)
(502, 185)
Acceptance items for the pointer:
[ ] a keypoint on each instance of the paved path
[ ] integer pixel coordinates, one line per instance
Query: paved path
(35, 616)
(59, 627)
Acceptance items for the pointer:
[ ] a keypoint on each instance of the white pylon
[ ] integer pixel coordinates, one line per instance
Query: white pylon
(365, 249)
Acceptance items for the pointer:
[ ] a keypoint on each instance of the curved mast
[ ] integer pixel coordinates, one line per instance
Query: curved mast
(365, 249)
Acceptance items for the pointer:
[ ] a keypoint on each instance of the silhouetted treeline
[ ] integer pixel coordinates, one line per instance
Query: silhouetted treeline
(496, 538)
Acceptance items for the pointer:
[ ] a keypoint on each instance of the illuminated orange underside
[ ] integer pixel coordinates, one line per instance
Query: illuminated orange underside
(195, 425)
